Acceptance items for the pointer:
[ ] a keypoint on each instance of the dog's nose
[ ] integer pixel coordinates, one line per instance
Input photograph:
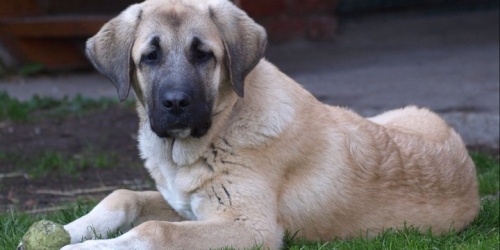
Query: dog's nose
(176, 101)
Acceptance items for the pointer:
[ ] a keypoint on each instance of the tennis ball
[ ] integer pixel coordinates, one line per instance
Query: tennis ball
(44, 235)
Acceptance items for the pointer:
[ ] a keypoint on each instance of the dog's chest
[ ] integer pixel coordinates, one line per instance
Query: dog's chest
(176, 182)
(180, 201)
(178, 185)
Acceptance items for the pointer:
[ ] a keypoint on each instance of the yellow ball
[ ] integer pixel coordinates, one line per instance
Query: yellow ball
(44, 235)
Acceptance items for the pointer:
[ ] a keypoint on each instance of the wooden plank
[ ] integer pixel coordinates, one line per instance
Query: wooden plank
(18, 8)
(52, 27)
(53, 53)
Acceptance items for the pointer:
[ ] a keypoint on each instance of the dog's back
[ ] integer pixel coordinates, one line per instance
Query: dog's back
(403, 168)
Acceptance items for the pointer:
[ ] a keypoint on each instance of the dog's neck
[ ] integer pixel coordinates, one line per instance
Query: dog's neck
(265, 111)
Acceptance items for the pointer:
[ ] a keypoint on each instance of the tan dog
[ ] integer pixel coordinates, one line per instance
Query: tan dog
(241, 153)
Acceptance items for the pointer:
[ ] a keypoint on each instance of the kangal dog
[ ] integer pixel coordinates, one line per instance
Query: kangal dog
(241, 153)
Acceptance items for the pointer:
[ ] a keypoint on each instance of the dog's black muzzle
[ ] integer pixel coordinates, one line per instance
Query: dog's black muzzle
(179, 112)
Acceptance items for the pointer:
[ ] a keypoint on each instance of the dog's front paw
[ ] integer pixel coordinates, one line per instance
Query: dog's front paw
(44, 235)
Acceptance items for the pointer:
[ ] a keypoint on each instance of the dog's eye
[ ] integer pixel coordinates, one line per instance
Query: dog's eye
(201, 56)
(150, 57)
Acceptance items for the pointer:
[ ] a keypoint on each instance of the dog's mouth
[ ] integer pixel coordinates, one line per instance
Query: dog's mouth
(201, 130)
(184, 132)
(179, 130)
(178, 133)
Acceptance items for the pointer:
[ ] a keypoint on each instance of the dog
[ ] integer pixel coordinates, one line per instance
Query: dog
(241, 153)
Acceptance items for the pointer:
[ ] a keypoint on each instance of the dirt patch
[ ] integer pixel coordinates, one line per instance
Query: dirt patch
(108, 134)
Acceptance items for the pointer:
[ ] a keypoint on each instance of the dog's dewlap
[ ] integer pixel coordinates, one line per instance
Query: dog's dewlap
(44, 235)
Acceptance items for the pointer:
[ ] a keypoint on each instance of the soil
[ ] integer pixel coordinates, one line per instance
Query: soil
(106, 132)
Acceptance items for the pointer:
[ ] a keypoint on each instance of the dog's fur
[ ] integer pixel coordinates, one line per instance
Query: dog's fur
(253, 154)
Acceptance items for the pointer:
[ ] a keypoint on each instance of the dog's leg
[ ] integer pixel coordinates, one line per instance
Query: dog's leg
(210, 234)
(122, 209)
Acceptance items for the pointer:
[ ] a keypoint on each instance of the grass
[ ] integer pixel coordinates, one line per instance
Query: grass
(39, 107)
(483, 233)
(13, 225)
(488, 170)
(27, 69)
(51, 161)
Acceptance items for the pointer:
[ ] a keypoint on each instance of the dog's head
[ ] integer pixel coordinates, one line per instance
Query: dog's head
(180, 56)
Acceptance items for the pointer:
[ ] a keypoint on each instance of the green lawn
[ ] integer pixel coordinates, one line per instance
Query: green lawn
(50, 161)
(482, 234)
(46, 107)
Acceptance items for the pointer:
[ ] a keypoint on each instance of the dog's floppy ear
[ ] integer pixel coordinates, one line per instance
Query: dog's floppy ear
(244, 41)
(109, 50)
